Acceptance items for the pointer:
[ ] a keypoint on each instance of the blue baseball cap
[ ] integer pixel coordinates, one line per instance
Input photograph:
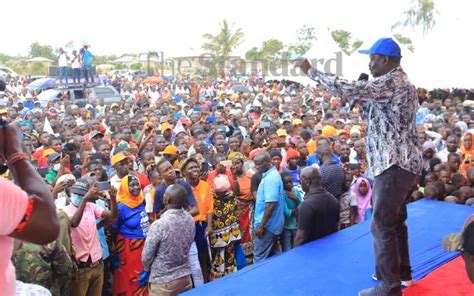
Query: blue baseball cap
(384, 46)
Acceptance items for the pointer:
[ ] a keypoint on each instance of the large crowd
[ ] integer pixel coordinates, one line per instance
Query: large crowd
(188, 180)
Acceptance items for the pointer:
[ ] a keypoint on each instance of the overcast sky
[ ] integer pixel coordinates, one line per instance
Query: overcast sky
(176, 27)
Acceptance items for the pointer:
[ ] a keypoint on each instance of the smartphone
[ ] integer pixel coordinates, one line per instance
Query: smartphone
(221, 128)
(265, 124)
(103, 186)
(220, 107)
(197, 108)
(281, 144)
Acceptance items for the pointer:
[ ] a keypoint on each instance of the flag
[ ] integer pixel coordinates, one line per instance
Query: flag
(70, 44)
(178, 128)
(47, 127)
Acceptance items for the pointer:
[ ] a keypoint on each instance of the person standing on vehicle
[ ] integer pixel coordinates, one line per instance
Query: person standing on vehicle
(62, 63)
(87, 58)
(76, 67)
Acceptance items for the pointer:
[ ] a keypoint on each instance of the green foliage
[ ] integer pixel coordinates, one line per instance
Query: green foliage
(306, 37)
(270, 51)
(104, 59)
(225, 41)
(421, 13)
(136, 66)
(343, 39)
(405, 41)
(38, 69)
(38, 50)
(4, 58)
(253, 54)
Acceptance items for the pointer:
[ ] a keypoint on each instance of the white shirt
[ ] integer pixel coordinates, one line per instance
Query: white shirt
(75, 63)
(62, 60)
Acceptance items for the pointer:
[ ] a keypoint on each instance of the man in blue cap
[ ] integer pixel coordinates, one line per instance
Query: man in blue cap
(393, 153)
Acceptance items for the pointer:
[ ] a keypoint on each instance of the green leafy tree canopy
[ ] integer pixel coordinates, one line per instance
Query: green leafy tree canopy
(225, 41)
(39, 50)
(343, 39)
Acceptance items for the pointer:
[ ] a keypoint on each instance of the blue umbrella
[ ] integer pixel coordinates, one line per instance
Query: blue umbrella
(42, 84)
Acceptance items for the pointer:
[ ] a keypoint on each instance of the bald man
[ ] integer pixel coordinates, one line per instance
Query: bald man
(318, 215)
(166, 251)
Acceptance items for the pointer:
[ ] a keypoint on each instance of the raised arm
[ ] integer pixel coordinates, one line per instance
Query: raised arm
(42, 226)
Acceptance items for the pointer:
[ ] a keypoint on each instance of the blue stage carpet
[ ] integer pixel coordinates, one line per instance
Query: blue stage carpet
(342, 264)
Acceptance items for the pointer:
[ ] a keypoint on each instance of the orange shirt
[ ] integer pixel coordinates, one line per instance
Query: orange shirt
(245, 187)
(203, 195)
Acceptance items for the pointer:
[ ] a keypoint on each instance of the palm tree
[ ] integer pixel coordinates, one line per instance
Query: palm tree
(223, 43)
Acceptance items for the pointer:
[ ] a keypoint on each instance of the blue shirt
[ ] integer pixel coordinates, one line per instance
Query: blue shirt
(158, 204)
(102, 239)
(314, 159)
(290, 219)
(270, 190)
(87, 57)
(132, 223)
(295, 175)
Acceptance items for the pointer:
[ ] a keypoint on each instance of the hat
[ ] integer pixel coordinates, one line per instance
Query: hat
(221, 183)
(281, 132)
(297, 121)
(329, 131)
(118, 158)
(171, 150)
(165, 125)
(463, 241)
(341, 121)
(114, 105)
(354, 130)
(81, 186)
(428, 145)
(384, 46)
(292, 153)
(186, 162)
(95, 134)
(468, 103)
(53, 157)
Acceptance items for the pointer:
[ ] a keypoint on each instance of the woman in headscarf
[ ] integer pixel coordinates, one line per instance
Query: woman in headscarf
(245, 199)
(361, 200)
(132, 226)
(467, 151)
(225, 228)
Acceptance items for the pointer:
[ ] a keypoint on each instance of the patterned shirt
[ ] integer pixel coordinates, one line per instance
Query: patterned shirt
(167, 245)
(390, 103)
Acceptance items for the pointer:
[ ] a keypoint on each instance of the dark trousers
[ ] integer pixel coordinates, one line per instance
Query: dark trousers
(390, 192)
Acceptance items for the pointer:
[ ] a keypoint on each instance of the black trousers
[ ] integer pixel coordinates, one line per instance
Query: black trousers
(390, 193)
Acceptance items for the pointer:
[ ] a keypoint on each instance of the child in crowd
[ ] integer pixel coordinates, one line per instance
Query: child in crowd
(293, 198)
(361, 200)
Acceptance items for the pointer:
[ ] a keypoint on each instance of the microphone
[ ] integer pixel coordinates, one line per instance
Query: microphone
(362, 77)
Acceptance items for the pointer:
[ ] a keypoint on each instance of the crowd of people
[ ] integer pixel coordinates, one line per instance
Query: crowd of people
(187, 181)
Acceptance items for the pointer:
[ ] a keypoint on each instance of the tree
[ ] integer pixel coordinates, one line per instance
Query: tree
(220, 46)
(253, 54)
(405, 41)
(306, 37)
(136, 66)
(45, 51)
(270, 50)
(4, 58)
(343, 39)
(38, 68)
(421, 13)
(225, 41)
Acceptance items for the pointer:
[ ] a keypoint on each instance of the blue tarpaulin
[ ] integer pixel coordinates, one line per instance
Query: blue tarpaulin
(342, 263)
